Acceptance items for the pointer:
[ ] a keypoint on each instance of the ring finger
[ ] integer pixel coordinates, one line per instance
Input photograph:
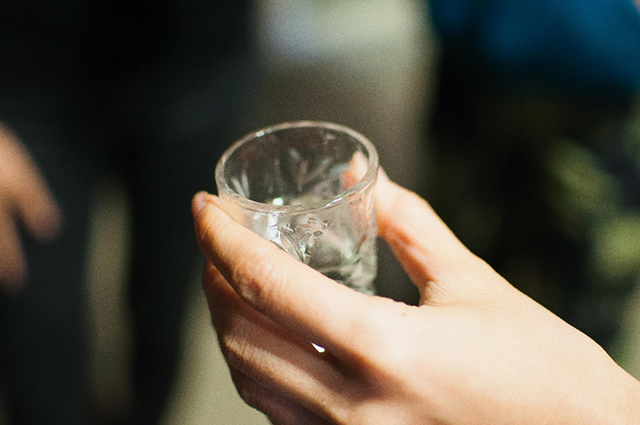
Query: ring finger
(270, 355)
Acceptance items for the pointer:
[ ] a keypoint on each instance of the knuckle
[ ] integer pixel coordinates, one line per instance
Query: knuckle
(379, 337)
(376, 364)
(258, 279)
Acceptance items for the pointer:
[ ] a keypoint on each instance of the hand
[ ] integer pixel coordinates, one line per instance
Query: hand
(23, 196)
(475, 351)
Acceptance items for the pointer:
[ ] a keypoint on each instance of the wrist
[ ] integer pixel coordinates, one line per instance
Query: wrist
(632, 402)
(617, 401)
(600, 392)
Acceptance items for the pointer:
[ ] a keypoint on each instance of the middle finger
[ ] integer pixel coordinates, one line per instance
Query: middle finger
(270, 355)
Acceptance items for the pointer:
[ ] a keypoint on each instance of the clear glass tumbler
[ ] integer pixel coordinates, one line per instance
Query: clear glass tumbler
(309, 188)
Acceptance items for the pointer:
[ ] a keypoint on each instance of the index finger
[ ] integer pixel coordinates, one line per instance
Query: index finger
(274, 283)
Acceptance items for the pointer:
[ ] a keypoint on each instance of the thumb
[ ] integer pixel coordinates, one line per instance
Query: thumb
(430, 253)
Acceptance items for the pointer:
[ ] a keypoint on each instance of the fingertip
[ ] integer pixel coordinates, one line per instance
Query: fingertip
(386, 191)
(382, 176)
(385, 186)
(52, 225)
(203, 199)
(14, 286)
(15, 279)
(43, 220)
(198, 202)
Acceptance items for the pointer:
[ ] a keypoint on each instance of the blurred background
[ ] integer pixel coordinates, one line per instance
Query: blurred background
(378, 67)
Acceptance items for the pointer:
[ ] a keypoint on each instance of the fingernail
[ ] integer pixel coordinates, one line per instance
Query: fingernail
(199, 201)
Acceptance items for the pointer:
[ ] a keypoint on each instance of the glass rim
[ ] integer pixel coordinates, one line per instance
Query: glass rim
(368, 178)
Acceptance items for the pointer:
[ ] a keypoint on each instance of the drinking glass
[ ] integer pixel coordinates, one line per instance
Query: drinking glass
(308, 187)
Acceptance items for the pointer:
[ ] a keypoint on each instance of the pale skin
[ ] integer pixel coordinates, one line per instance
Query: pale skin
(475, 351)
(25, 200)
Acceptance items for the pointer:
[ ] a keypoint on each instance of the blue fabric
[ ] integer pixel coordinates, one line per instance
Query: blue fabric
(577, 44)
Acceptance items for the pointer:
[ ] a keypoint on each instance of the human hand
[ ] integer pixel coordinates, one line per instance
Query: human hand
(24, 196)
(475, 351)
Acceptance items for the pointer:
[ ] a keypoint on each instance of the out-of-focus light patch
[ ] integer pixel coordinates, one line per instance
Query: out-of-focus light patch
(277, 201)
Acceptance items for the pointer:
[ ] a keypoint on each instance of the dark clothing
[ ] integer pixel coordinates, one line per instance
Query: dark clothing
(63, 42)
(150, 92)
